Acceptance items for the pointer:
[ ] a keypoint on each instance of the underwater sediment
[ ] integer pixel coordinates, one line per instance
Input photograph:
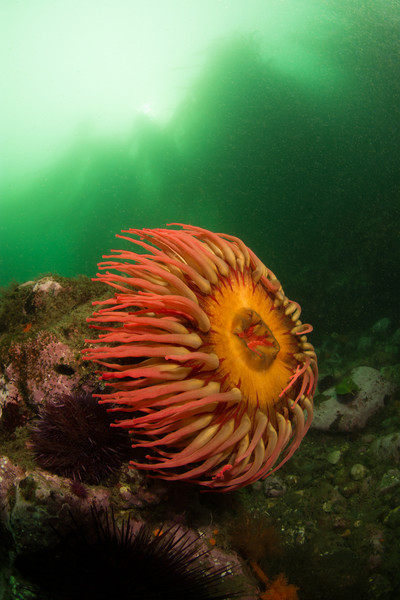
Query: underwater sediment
(328, 520)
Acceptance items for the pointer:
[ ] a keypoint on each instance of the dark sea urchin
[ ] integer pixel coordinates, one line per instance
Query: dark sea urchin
(73, 438)
(103, 560)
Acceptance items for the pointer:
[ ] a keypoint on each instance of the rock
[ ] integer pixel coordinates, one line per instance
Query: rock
(274, 487)
(327, 507)
(42, 367)
(332, 414)
(3, 394)
(358, 472)
(365, 343)
(381, 327)
(32, 501)
(396, 337)
(9, 475)
(392, 519)
(334, 457)
(389, 481)
(387, 447)
(47, 285)
(392, 373)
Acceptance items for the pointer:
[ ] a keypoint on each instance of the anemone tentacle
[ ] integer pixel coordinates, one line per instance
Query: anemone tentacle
(204, 350)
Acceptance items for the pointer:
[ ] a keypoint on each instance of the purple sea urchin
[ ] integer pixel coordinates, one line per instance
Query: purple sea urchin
(103, 560)
(73, 438)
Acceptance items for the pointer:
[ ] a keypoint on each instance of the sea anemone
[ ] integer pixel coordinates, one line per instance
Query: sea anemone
(207, 355)
(72, 438)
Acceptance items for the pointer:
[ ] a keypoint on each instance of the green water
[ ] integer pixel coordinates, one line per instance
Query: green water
(286, 134)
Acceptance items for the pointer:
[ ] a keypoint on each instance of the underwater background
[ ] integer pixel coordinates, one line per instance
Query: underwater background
(276, 121)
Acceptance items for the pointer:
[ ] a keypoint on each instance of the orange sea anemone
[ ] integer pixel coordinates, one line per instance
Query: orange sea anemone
(207, 355)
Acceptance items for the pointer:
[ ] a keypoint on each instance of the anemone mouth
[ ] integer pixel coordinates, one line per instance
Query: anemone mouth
(249, 335)
(258, 345)
(222, 392)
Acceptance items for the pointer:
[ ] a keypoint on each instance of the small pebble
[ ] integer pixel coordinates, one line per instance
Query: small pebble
(358, 472)
(327, 507)
(392, 519)
(274, 487)
(390, 480)
(381, 326)
(334, 457)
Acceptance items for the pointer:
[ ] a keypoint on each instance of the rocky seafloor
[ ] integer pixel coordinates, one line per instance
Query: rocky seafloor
(325, 526)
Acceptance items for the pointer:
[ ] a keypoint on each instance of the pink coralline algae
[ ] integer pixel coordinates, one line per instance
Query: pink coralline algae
(41, 367)
(32, 501)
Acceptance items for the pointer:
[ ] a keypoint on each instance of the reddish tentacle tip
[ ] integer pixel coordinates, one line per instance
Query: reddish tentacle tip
(221, 472)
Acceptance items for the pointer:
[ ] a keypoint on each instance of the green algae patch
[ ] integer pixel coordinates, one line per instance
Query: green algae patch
(346, 386)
